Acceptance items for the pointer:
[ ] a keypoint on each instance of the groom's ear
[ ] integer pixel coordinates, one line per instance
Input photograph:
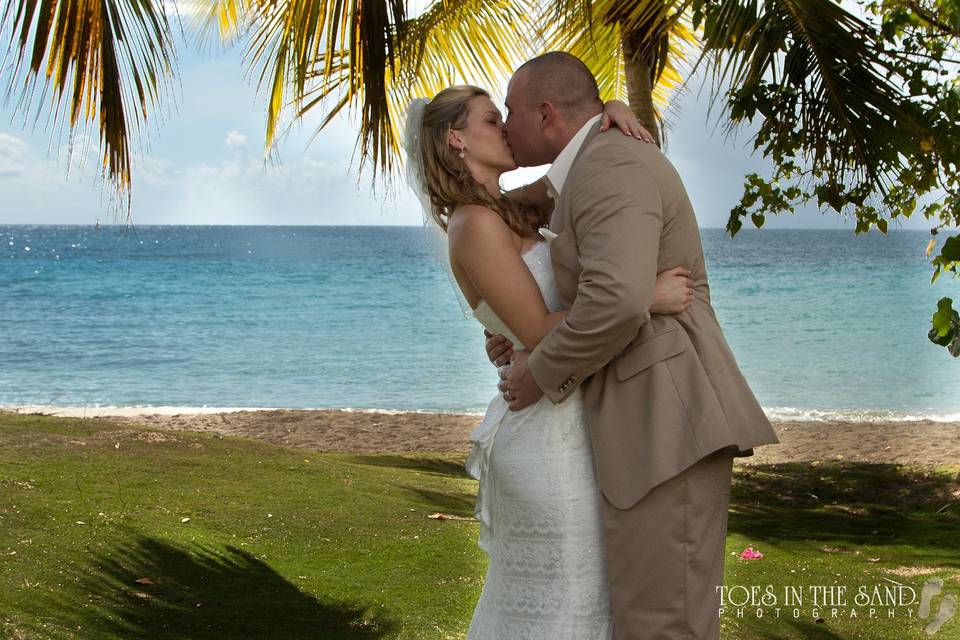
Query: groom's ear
(547, 115)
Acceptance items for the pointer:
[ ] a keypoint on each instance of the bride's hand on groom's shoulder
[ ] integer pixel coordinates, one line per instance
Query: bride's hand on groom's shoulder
(499, 349)
(618, 113)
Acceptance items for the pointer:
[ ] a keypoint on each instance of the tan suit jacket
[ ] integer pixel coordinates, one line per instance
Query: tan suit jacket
(660, 391)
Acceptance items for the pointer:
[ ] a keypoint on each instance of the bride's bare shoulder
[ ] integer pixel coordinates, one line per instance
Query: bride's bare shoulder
(473, 219)
(476, 228)
(474, 213)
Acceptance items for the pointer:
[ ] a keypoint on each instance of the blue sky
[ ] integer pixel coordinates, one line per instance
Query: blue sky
(201, 164)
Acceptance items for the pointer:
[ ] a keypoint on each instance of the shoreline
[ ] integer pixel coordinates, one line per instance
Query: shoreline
(774, 414)
(96, 411)
(371, 431)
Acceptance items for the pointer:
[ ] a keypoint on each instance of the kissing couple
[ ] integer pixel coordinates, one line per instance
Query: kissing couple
(605, 463)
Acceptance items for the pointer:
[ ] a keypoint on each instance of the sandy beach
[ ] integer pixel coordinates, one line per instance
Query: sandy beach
(905, 442)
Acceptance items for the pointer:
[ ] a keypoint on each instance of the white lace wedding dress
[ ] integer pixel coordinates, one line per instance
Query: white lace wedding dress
(539, 510)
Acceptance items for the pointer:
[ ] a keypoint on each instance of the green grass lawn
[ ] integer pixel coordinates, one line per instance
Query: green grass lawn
(241, 539)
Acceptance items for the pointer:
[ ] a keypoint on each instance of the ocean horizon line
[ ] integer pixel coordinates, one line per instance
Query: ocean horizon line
(113, 225)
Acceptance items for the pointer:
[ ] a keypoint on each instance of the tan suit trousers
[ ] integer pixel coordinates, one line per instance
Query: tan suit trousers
(665, 588)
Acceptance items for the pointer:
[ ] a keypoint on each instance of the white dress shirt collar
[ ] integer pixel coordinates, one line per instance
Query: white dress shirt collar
(558, 172)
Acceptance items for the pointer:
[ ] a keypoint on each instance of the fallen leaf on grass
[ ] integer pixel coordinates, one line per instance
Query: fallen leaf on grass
(445, 516)
(841, 549)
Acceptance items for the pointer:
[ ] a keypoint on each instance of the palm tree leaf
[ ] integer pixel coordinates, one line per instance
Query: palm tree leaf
(814, 72)
(221, 21)
(289, 37)
(477, 41)
(592, 31)
(105, 61)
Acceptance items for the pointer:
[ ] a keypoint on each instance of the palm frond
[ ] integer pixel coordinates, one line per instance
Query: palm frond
(290, 37)
(813, 71)
(660, 31)
(104, 60)
(569, 25)
(592, 31)
(222, 22)
(476, 41)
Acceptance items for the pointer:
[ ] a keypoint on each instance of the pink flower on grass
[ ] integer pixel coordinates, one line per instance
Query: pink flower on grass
(750, 554)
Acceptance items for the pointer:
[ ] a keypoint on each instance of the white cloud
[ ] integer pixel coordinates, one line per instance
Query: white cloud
(235, 139)
(151, 170)
(15, 156)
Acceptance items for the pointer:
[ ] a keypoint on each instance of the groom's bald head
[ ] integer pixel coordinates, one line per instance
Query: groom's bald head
(562, 80)
(549, 99)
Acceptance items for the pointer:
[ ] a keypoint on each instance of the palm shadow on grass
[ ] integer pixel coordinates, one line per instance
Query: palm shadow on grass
(813, 631)
(452, 467)
(202, 593)
(458, 504)
(858, 503)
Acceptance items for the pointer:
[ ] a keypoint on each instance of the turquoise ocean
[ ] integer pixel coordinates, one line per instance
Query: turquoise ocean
(824, 324)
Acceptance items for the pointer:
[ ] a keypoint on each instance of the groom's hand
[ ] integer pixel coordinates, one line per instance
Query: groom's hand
(499, 349)
(519, 388)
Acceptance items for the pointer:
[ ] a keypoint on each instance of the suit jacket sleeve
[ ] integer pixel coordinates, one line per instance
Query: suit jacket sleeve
(616, 218)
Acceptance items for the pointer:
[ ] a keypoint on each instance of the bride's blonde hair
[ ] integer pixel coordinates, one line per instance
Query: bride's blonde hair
(447, 179)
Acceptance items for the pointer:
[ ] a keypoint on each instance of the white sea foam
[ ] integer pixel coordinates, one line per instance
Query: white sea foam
(856, 415)
(402, 411)
(92, 411)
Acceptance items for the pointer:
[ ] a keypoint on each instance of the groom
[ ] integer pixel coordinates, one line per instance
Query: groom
(665, 402)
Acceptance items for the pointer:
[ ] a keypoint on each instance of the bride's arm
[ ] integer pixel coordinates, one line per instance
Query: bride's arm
(481, 244)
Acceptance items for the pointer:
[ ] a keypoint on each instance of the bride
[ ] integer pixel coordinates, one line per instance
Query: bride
(538, 503)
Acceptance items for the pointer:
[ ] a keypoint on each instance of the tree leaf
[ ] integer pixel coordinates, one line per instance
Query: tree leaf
(946, 323)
